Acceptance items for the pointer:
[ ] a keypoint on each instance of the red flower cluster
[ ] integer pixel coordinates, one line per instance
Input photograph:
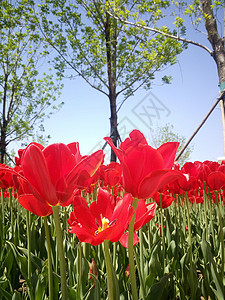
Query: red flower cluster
(103, 220)
(196, 176)
(145, 170)
(48, 176)
(55, 175)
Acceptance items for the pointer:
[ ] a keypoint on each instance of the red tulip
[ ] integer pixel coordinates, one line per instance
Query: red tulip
(50, 175)
(9, 180)
(112, 174)
(204, 171)
(93, 272)
(216, 180)
(144, 213)
(104, 220)
(127, 271)
(21, 151)
(191, 168)
(160, 226)
(167, 199)
(145, 170)
(188, 182)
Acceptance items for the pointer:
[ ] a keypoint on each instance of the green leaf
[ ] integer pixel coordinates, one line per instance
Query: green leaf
(16, 296)
(157, 289)
(209, 260)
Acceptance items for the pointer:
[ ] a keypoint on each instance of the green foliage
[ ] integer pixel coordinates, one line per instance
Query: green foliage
(166, 274)
(27, 94)
(166, 134)
(194, 11)
(105, 52)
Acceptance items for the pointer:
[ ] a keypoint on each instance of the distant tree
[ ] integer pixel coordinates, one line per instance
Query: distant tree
(26, 95)
(112, 58)
(166, 134)
(206, 16)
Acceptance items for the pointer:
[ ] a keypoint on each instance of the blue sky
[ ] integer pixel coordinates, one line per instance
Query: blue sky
(183, 103)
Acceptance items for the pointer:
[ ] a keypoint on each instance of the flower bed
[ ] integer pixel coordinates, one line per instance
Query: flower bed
(142, 228)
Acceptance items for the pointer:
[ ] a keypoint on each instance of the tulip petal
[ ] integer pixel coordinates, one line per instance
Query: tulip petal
(84, 170)
(135, 138)
(74, 148)
(84, 236)
(216, 180)
(140, 162)
(29, 202)
(124, 239)
(118, 152)
(83, 214)
(104, 205)
(35, 170)
(144, 213)
(155, 181)
(168, 152)
(60, 161)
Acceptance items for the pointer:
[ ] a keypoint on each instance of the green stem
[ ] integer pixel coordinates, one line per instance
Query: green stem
(190, 244)
(61, 257)
(182, 220)
(11, 212)
(211, 219)
(163, 235)
(150, 235)
(141, 245)
(79, 286)
(49, 251)
(114, 254)
(108, 262)
(29, 271)
(205, 210)
(28, 244)
(221, 235)
(131, 253)
(3, 206)
(140, 272)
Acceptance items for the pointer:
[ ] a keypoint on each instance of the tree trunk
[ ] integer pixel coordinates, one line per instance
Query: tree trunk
(111, 47)
(3, 121)
(217, 43)
(113, 124)
(2, 146)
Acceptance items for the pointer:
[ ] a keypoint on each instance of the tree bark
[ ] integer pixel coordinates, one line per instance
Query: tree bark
(111, 45)
(2, 145)
(3, 121)
(113, 124)
(217, 43)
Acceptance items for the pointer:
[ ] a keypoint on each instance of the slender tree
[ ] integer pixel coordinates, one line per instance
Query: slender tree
(25, 93)
(204, 15)
(109, 56)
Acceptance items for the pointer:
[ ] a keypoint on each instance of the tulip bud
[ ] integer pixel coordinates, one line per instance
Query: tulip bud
(127, 271)
(94, 271)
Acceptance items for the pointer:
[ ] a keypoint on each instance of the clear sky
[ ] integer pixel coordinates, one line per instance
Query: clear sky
(84, 118)
(183, 103)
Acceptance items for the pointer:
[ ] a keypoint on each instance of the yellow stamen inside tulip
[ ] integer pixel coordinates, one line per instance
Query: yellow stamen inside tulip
(105, 224)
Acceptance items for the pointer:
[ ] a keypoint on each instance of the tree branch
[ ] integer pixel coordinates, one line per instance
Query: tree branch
(184, 40)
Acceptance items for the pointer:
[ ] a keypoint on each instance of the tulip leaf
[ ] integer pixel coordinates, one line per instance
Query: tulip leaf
(206, 249)
(17, 296)
(21, 261)
(40, 288)
(157, 289)
(4, 294)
